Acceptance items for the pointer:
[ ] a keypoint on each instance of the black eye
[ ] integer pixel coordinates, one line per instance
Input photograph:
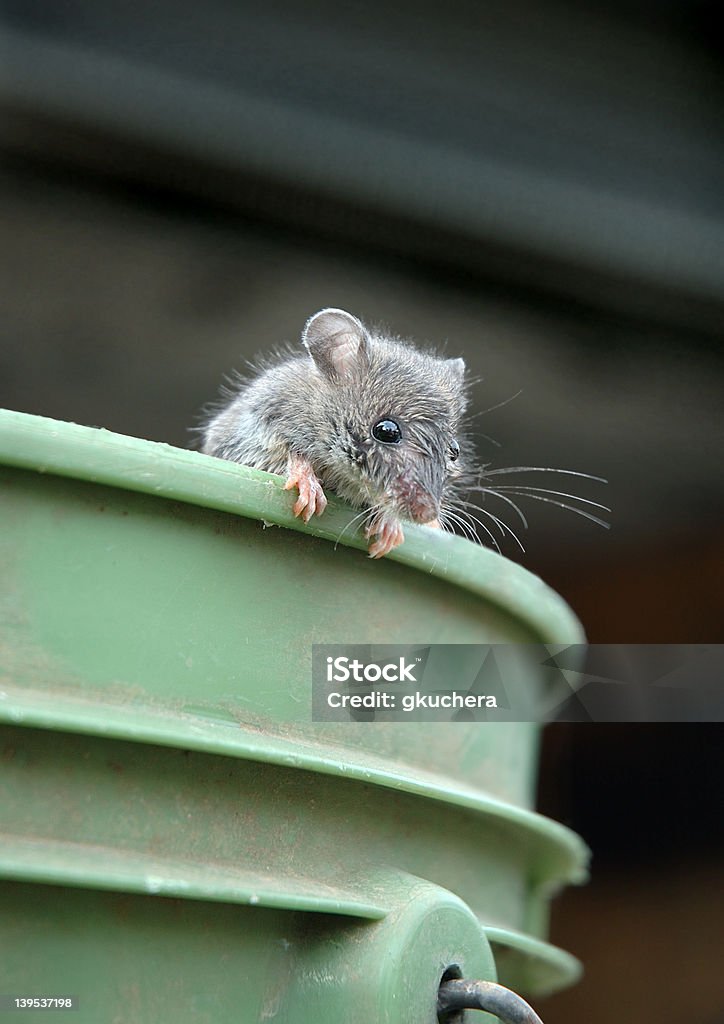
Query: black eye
(454, 450)
(387, 431)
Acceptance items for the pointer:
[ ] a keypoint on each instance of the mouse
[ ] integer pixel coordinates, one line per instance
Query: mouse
(368, 416)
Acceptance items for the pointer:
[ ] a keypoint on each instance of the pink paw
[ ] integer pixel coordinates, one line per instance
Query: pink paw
(311, 500)
(388, 534)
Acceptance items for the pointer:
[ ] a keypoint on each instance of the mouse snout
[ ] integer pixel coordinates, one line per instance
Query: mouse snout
(419, 504)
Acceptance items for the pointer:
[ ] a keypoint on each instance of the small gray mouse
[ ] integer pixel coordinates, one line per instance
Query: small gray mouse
(365, 415)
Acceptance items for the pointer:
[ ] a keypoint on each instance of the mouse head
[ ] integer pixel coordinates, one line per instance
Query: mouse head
(389, 417)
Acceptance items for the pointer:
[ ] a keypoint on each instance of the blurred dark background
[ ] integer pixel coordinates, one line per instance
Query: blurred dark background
(537, 186)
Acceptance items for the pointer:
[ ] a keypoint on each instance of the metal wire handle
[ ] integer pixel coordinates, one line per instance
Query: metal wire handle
(457, 995)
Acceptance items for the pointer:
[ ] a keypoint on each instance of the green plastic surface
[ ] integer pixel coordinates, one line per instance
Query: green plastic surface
(159, 751)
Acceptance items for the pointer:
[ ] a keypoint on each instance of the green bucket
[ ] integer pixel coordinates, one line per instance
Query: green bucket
(180, 841)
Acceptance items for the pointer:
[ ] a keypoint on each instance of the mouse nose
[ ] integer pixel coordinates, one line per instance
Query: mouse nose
(423, 508)
(417, 501)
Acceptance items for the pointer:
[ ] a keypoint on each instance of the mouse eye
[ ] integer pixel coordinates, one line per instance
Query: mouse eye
(454, 450)
(387, 431)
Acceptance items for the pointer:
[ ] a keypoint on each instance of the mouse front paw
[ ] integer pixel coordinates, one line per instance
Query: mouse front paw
(311, 500)
(388, 534)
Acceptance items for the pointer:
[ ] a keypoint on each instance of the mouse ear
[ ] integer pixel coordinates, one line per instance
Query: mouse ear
(337, 342)
(456, 367)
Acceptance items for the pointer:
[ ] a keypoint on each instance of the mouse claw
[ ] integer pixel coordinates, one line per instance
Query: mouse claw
(388, 535)
(312, 499)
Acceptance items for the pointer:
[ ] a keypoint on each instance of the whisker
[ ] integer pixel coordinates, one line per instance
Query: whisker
(525, 488)
(464, 505)
(442, 520)
(448, 516)
(541, 469)
(452, 517)
(482, 412)
(364, 515)
(471, 531)
(492, 408)
(570, 508)
(501, 523)
(503, 497)
(456, 518)
(487, 437)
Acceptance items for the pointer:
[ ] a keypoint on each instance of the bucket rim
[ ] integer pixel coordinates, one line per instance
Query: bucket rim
(100, 456)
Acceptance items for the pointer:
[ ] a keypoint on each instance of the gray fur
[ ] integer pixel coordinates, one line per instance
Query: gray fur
(323, 403)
